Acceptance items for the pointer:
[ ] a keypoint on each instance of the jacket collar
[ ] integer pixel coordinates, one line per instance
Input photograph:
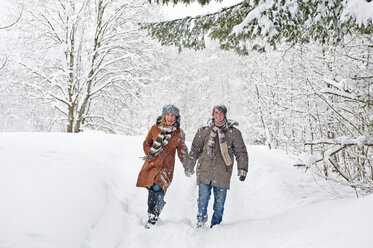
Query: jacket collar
(228, 125)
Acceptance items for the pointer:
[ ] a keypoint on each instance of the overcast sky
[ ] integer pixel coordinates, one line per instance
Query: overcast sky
(3, 10)
(174, 12)
(194, 9)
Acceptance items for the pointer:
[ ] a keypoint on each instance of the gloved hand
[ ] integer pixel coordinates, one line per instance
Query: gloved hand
(188, 172)
(242, 174)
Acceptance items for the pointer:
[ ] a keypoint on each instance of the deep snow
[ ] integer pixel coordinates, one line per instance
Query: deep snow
(78, 190)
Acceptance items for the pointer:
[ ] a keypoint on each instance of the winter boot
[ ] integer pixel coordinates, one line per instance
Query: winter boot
(152, 219)
(200, 224)
(155, 206)
(154, 216)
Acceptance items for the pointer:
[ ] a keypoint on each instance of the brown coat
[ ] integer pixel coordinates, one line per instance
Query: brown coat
(214, 170)
(160, 169)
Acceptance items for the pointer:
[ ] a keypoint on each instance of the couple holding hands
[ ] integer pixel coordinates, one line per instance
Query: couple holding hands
(214, 146)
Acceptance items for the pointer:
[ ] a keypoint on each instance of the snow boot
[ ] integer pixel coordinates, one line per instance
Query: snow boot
(155, 206)
(152, 219)
(200, 224)
(154, 215)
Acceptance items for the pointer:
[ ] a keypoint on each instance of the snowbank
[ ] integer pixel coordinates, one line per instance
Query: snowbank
(66, 190)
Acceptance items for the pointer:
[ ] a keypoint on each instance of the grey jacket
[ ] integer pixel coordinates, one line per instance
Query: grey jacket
(214, 170)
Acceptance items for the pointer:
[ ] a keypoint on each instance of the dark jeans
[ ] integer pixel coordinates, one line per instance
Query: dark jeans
(204, 194)
(155, 200)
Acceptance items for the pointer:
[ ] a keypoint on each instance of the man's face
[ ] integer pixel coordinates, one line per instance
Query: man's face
(218, 115)
(170, 118)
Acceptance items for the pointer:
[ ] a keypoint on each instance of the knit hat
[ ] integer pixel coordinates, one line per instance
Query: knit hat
(222, 108)
(169, 108)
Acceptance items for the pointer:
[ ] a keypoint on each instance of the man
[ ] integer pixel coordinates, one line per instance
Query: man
(214, 146)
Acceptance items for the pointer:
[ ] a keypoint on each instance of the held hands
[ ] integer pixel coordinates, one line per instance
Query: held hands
(242, 174)
(188, 172)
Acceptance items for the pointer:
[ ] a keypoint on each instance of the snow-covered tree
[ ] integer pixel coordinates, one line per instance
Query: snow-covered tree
(82, 55)
(317, 99)
(256, 23)
(4, 58)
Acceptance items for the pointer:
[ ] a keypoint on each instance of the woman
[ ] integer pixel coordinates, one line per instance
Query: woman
(160, 146)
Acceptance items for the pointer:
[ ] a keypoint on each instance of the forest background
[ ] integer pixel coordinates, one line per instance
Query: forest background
(83, 66)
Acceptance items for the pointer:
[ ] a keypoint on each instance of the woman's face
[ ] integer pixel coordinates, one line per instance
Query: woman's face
(170, 118)
(218, 115)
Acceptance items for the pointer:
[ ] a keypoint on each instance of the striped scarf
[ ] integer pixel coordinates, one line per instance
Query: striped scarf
(217, 130)
(161, 142)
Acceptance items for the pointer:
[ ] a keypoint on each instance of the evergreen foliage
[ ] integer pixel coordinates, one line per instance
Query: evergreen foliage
(255, 24)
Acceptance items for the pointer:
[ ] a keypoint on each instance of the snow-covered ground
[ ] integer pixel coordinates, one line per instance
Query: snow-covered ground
(69, 190)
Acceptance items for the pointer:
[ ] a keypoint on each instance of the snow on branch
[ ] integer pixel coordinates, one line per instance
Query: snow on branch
(326, 157)
(103, 66)
(342, 89)
(338, 93)
(336, 145)
(255, 14)
(249, 23)
(361, 10)
(344, 141)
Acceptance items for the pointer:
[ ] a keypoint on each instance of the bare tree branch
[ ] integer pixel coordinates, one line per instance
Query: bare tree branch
(4, 64)
(333, 108)
(15, 22)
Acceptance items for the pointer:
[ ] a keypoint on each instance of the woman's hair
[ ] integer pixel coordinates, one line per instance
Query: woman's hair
(161, 120)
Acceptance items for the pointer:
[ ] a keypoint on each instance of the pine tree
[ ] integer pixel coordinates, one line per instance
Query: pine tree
(257, 23)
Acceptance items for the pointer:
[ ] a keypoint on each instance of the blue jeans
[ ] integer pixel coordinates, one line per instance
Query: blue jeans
(204, 194)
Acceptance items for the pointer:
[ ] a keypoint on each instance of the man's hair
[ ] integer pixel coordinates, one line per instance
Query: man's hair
(222, 108)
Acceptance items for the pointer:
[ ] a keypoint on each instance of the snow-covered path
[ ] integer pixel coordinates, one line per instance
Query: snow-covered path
(61, 190)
